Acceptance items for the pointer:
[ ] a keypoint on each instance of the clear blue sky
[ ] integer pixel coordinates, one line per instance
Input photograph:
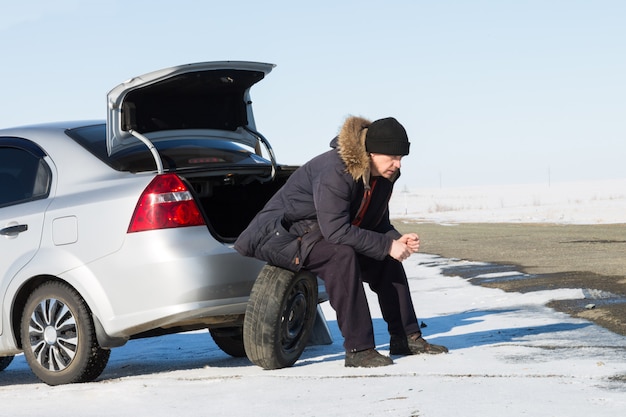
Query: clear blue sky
(491, 92)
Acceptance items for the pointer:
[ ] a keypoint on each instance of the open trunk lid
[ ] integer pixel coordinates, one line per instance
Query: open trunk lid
(207, 96)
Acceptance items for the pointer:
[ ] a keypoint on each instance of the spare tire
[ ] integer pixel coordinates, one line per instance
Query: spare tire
(279, 317)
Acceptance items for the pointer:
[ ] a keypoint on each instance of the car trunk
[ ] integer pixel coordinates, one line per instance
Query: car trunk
(229, 202)
(191, 117)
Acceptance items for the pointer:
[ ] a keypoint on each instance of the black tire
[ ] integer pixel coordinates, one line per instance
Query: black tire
(279, 317)
(58, 336)
(229, 340)
(5, 361)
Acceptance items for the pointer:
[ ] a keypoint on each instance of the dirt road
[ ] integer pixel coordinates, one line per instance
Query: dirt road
(591, 257)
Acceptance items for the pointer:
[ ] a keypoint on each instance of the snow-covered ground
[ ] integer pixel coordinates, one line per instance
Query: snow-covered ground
(593, 202)
(509, 354)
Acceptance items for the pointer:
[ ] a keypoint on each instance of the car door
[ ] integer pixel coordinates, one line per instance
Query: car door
(25, 180)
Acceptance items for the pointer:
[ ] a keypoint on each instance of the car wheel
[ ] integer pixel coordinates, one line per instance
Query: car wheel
(279, 317)
(58, 336)
(5, 361)
(229, 340)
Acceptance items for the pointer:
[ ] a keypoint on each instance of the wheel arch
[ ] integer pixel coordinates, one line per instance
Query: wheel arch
(29, 286)
(19, 301)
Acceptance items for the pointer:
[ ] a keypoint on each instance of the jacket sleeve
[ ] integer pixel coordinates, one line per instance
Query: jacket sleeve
(387, 228)
(332, 193)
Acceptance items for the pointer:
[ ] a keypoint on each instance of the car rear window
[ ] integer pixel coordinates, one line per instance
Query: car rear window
(176, 153)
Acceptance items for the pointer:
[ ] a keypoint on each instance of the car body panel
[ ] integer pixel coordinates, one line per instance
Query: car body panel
(21, 225)
(19, 249)
(157, 279)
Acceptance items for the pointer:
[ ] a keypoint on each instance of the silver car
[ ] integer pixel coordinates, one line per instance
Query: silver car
(123, 229)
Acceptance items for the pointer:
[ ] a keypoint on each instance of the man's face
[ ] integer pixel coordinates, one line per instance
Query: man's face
(384, 165)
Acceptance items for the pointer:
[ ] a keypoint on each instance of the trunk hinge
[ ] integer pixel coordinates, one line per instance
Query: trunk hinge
(153, 150)
(270, 151)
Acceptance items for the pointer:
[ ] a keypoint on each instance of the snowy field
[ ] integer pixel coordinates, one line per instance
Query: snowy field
(597, 202)
(510, 355)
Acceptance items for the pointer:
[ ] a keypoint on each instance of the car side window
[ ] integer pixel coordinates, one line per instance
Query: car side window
(24, 175)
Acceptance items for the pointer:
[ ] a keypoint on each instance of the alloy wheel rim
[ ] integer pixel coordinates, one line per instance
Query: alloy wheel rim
(53, 335)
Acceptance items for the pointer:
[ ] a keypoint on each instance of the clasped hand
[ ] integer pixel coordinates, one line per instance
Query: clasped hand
(403, 247)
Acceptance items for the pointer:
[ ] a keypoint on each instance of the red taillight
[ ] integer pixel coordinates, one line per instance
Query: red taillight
(165, 203)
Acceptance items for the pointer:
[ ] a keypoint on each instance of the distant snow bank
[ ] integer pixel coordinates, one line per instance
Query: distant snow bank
(593, 202)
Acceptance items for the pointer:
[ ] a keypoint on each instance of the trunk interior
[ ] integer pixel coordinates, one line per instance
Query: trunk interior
(231, 201)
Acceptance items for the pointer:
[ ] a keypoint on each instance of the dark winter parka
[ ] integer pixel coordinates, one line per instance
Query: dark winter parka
(321, 200)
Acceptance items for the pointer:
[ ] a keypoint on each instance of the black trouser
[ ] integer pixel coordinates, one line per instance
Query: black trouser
(343, 272)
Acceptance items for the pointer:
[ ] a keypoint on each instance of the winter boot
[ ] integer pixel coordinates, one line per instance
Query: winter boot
(368, 358)
(413, 345)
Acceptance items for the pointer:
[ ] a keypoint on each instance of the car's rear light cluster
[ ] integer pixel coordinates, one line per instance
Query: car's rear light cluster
(165, 203)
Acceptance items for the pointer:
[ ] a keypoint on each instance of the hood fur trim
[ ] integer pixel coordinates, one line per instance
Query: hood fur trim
(351, 146)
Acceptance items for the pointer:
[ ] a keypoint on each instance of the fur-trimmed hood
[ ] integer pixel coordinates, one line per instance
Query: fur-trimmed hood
(351, 147)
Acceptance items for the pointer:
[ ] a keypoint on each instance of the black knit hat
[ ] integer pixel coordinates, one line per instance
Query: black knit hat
(388, 137)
